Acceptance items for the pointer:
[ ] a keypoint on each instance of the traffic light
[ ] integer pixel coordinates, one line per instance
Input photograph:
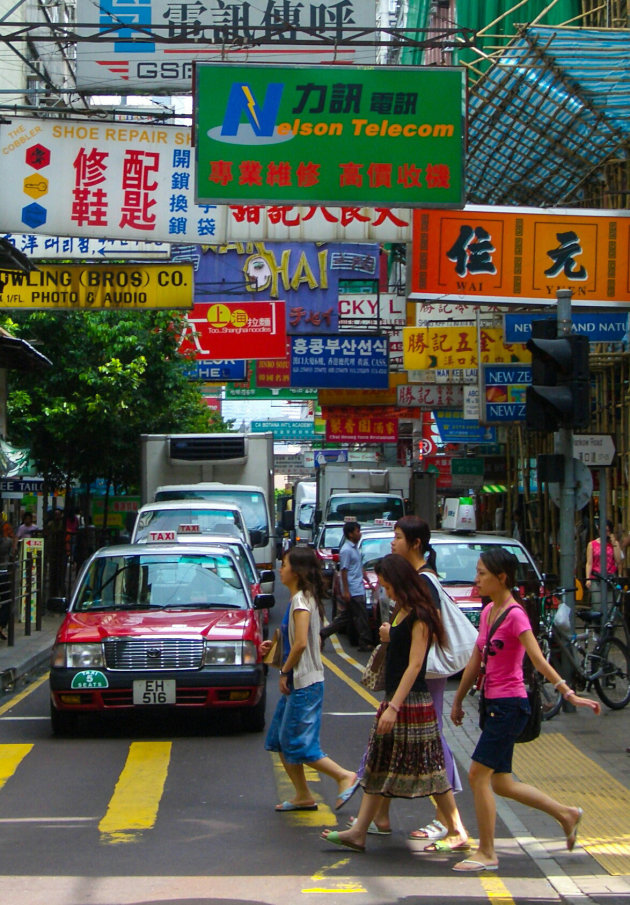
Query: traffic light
(559, 395)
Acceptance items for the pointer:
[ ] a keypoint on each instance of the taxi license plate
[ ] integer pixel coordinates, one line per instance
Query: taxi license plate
(154, 691)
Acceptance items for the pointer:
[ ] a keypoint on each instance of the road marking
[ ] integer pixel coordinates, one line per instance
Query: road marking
(23, 694)
(11, 756)
(323, 816)
(556, 766)
(360, 690)
(496, 890)
(48, 819)
(134, 805)
(340, 887)
(14, 719)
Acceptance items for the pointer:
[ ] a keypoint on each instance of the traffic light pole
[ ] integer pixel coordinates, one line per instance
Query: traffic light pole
(564, 447)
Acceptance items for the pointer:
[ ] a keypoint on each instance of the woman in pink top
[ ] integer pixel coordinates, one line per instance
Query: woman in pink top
(507, 707)
(614, 557)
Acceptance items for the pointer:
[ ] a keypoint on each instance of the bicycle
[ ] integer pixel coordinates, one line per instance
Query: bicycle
(599, 658)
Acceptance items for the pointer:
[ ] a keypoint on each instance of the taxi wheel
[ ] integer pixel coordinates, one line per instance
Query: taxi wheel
(62, 723)
(253, 718)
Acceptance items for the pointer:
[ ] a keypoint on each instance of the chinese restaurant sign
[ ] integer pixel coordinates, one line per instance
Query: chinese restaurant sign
(124, 57)
(521, 255)
(305, 275)
(134, 181)
(340, 361)
(270, 379)
(142, 287)
(360, 426)
(503, 393)
(235, 330)
(345, 135)
(428, 398)
(457, 347)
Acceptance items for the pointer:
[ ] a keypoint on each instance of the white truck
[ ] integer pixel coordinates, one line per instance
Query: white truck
(227, 468)
(304, 497)
(364, 493)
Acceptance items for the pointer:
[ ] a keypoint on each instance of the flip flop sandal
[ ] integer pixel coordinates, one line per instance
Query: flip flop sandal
(333, 836)
(445, 848)
(473, 867)
(432, 832)
(572, 836)
(344, 797)
(289, 806)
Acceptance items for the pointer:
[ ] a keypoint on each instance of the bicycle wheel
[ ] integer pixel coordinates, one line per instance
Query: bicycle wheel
(613, 686)
(550, 696)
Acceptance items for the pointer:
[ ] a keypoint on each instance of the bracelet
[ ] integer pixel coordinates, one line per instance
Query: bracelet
(568, 694)
(561, 682)
(393, 706)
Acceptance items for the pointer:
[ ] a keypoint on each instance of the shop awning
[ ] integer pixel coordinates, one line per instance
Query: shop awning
(20, 355)
(494, 488)
(547, 114)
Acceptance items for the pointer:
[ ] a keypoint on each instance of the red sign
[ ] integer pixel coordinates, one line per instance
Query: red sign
(235, 330)
(345, 425)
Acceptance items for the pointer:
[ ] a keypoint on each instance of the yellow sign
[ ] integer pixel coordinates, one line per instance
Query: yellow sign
(428, 348)
(364, 397)
(93, 286)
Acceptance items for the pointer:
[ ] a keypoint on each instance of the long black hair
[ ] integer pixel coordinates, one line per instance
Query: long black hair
(416, 529)
(411, 593)
(305, 564)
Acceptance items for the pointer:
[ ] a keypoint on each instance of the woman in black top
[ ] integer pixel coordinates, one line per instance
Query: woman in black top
(404, 757)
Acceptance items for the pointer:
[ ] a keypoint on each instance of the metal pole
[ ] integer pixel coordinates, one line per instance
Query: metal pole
(564, 447)
(603, 541)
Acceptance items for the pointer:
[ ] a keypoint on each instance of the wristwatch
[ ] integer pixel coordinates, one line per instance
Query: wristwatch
(282, 673)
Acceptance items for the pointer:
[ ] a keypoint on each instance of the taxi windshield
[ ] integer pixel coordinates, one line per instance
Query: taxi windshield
(188, 520)
(151, 581)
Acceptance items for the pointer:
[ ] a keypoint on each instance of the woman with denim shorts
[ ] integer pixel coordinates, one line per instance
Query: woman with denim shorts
(295, 727)
(507, 707)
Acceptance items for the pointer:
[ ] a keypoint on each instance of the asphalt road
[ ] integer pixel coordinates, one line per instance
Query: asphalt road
(181, 811)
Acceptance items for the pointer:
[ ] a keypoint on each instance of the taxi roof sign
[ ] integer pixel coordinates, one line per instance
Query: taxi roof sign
(162, 536)
(189, 529)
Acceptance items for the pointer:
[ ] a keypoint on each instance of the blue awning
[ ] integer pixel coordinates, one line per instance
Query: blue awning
(550, 111)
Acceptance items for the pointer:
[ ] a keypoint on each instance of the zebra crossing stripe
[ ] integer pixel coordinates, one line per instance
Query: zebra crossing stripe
(11, 756)
(134, 805)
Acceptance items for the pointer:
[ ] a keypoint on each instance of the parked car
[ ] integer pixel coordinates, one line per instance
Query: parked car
(456, 558)
(160, 627)
(327, 541)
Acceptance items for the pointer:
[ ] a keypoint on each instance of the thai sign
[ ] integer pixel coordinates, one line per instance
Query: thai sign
(133, 181)
(141, 286)
(235, 330)
(340, 361)
(458, 347)
(148, 46)
(521, 255)
(305, 275)
(344, 135)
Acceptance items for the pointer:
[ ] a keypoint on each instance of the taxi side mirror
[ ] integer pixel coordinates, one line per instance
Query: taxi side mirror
(264, 601)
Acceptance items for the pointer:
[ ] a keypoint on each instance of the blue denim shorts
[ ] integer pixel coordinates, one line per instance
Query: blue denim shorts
(295, 725)
(505, 720)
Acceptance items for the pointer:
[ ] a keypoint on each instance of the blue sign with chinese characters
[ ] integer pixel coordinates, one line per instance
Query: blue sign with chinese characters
(305, 275)
(600, 328)
(340, 362)
(212, 371)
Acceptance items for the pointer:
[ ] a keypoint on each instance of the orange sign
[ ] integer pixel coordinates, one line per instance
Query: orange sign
(443, 347)
(521, 254)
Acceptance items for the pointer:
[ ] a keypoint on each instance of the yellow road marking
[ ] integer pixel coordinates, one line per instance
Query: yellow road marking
(496, 890)
(323, 816)
(134, 805)
(11, 756)
(554, 765)
(23, 694)
(341, 887)
(360, 690)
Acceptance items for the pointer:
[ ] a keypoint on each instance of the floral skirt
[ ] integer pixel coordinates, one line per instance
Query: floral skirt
(407, 762)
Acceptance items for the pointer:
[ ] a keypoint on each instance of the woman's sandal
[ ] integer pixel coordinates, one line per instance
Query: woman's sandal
(432, 832)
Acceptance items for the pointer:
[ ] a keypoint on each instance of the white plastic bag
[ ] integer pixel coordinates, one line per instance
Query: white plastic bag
(562, 619)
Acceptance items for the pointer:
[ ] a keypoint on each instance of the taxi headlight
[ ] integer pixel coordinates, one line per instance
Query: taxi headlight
(77, 656)
(229, 653)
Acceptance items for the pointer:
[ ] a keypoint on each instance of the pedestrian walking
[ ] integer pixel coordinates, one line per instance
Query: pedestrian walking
(404, 756)
(507, 707)
(295, 727)
(352, 591)
(446, 832)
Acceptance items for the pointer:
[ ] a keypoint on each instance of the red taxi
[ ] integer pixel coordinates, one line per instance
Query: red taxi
(157, 627)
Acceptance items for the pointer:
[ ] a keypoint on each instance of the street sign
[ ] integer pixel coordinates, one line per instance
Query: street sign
(583, 486)
(595, 450)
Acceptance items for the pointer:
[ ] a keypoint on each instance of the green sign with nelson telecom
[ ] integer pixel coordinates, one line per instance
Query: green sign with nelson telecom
(350, 136)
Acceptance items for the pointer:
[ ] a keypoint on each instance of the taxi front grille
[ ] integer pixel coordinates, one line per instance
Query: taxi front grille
(153, 654)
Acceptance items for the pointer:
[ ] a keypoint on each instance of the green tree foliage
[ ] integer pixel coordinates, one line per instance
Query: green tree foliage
(115, 375)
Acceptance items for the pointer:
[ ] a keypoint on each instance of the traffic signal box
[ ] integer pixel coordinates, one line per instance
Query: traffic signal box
(559, 395)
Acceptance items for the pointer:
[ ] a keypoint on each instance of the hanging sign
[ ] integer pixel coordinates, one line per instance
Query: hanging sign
(346, 135)
(457, 347)
(235, 330)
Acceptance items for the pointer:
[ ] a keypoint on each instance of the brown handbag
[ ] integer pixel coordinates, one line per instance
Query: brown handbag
(274, 655)
(374, 673)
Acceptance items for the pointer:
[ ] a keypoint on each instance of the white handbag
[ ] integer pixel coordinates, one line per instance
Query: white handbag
(461, 635)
